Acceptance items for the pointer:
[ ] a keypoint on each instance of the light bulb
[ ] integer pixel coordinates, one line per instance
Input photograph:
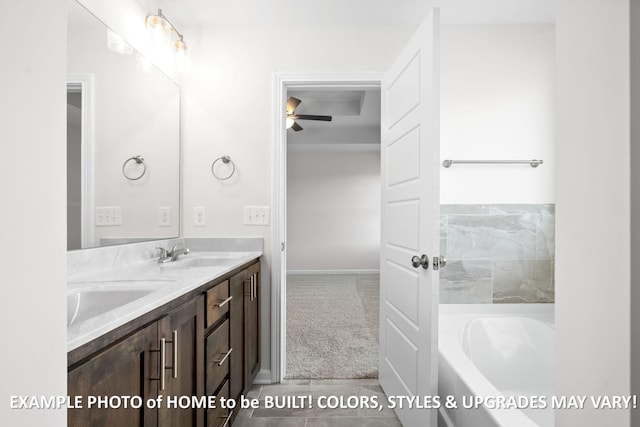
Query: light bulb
(290, 122)
(156, 23)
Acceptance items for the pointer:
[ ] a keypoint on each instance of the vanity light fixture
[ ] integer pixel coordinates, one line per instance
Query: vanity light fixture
(159, 26)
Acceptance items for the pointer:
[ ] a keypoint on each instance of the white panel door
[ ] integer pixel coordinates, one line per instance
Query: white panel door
(410, 223)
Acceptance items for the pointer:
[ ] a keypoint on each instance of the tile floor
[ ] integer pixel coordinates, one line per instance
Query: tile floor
(316, 417)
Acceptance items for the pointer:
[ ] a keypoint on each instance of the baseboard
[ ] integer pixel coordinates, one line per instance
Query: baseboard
(263, 377)
(303, 272)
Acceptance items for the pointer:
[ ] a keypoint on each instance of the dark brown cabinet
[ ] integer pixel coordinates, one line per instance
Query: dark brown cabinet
(183, 332)
(251, 325)
(237, 334)
(125, 369)
(245, 327)
(207, 344)
(133, 368)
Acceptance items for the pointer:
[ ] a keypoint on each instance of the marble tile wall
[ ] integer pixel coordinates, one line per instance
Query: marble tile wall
(497, 253)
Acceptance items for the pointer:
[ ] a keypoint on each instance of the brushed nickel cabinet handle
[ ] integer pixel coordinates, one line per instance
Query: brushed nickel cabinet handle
(255, 285)
(223, 302)
(254, 280)
(228, 417)
(221, 361)
(163, 360)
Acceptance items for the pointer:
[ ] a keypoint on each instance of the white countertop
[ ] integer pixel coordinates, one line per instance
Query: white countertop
(163, 282)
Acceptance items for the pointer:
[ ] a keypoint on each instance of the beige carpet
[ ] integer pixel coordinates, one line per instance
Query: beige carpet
(332, 326)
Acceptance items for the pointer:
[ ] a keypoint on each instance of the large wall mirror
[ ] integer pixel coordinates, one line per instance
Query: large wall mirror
(123, 143)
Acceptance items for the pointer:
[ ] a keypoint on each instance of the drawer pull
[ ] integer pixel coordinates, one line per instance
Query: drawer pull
(163, 360)
(228, 417)
(222, 303)
(254, 286)
(221, 361)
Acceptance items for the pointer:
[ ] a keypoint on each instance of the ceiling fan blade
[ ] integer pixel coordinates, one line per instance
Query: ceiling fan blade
(292, 104)
(311, 117)
(296, 127)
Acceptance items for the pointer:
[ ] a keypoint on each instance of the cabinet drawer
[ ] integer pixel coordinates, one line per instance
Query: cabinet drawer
(218, 417)
(218, 355)
(217, 302)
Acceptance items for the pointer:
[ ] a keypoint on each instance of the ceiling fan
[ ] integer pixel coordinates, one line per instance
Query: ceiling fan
(292, 104)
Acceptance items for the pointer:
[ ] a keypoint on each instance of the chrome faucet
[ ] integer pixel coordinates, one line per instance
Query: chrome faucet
(164, 255)
(172, 255)
(175, 252)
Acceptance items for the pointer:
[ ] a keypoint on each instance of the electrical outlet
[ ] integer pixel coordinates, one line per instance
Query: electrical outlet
(256, 215)
(200, 216)
(164, 217)
(108, 215)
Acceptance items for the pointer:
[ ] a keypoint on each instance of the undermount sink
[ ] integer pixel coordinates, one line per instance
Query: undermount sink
(97, 298)
(206, 261)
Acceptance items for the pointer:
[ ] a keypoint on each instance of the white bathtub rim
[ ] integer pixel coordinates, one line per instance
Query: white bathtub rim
(450, 349)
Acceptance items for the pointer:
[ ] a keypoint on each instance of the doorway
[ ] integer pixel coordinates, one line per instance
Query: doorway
(80, 217)
(333, 217)
(284, 84)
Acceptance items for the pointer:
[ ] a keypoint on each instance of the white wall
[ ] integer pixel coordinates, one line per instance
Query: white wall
(592, 207)
(33, 189)
(497, 102)
(635, 205)
(228, 110)
(333, 210)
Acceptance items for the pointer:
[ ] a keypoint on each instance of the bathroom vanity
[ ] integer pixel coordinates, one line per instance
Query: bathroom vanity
(195, 334)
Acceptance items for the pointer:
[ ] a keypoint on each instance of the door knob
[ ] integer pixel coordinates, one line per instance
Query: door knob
(439, 262)
(420, 261)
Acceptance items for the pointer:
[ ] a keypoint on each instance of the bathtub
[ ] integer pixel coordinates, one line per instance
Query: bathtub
(495, 350)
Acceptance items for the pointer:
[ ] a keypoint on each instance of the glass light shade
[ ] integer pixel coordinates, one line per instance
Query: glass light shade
(156, 23)
(181, 56)
(290, 122)
(117, 44)
(158, 29)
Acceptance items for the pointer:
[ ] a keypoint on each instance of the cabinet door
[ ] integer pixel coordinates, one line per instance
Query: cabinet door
(252, 325)
(183, 330)
(126, 369)
(236, 332)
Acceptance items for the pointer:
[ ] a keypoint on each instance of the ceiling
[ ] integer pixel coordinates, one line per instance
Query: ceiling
(356, 119)
(357, 12)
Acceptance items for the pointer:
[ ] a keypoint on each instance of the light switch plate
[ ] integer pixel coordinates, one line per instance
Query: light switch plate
(164, 217)
(107, 216)
(200, 216)
(256, 215)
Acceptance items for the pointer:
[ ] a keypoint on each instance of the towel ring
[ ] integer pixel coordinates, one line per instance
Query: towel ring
(226, 160)
(139, 160)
